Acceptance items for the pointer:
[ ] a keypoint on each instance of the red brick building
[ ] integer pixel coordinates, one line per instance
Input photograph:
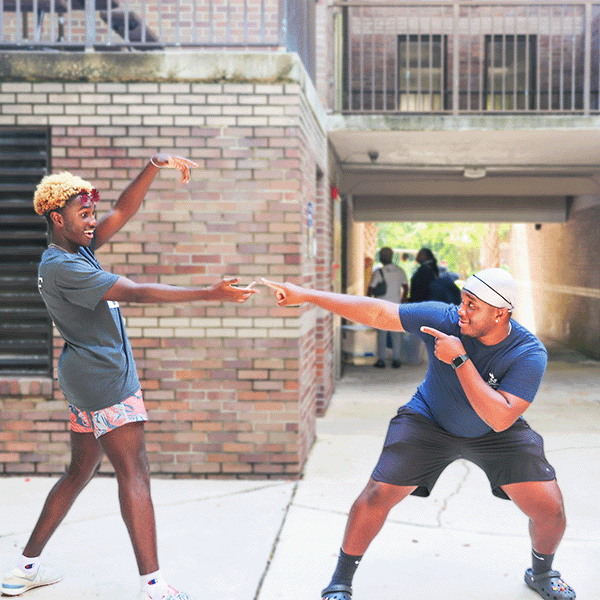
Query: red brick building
(231, 390)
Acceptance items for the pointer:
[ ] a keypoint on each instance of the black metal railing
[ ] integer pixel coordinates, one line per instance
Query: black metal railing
(461, 57)
(158, 24)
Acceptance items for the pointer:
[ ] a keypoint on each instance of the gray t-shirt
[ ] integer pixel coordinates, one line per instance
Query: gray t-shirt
(395, 278)
(96, 368)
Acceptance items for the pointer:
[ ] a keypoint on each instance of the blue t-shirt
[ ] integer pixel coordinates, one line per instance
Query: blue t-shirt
(515, 365)
(96, 368)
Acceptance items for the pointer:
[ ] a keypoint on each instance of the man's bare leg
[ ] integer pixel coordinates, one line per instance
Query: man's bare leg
(542, 502)
(366, 518)
(126, 450)
(86, 456)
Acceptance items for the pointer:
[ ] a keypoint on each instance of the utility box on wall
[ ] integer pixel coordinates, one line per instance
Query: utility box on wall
(359, 344)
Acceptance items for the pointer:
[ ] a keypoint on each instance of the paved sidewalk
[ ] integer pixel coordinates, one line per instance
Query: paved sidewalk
(269, 540)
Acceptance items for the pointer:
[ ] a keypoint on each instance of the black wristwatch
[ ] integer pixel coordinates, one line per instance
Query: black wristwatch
(459, 361)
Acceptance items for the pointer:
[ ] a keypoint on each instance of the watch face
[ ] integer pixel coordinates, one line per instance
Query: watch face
(458, 361)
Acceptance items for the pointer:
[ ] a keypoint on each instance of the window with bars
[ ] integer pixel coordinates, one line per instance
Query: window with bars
(25, 326)
(422, 61)
(510, 82)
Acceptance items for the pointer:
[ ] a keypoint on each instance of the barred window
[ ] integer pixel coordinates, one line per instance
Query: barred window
(422, 64)
(25, 326)
(510, 82)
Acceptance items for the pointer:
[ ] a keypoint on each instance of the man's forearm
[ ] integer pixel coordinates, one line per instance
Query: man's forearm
(149, 293)
(133, 195)
(491, 406)
(372, 312)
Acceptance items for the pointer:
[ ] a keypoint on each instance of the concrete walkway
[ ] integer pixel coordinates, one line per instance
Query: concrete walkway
(270, 540)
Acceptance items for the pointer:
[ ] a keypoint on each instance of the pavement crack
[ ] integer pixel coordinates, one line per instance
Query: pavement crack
(276, 541)
(568, 448)
(159, 505)
(447, 499)
(251, 490)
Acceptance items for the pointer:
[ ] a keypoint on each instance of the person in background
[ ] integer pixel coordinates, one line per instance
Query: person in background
(443, 289)
(424, 276)
(397, 292)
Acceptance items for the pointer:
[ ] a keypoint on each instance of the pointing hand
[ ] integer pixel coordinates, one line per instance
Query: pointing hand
(447, 347)
(287, 294)
(174, 162)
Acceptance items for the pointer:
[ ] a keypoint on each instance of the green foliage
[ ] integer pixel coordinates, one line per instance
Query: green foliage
(456, 243)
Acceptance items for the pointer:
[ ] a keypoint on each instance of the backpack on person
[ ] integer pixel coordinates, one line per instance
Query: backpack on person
(380, 289)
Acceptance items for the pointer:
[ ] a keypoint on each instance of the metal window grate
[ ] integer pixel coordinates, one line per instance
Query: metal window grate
(497, 56)
(25, 326)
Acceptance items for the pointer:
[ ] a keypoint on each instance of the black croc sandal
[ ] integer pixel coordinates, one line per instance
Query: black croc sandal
(549, 585)
(337, 591)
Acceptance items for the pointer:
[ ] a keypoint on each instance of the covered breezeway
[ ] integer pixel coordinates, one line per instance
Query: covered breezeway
(543, 180)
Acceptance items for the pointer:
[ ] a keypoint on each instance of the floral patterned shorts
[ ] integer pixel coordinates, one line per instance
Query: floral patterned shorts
(99, 422)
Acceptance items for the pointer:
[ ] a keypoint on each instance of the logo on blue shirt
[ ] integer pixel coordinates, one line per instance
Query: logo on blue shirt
(493, 382)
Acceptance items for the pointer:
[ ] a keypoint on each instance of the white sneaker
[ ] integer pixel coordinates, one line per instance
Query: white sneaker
(16, 582)
(170, 594)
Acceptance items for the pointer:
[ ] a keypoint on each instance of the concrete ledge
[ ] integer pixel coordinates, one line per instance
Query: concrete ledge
(417, 122)
(179, 66)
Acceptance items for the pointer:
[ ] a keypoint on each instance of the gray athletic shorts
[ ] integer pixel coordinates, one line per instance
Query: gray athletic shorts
(416, 451)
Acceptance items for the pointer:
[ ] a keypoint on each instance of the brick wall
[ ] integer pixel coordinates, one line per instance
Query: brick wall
(557, 266)
(324, 259)
(231, 390)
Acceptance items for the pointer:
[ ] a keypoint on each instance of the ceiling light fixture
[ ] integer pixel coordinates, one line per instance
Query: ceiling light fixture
(474, 172)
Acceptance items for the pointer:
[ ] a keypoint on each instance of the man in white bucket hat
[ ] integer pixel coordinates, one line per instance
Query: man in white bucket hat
(484, 371)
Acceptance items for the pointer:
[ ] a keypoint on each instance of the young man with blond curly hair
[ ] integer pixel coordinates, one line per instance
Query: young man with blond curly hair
(96, 369)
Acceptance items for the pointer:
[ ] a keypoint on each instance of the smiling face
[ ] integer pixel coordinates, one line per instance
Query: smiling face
(75, 224)
(478, 319)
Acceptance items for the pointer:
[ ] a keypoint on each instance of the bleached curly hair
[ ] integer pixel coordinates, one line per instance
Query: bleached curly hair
(54, 191)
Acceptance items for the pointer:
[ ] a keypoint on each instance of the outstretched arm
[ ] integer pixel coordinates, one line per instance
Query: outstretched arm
(125, 290)
(496, 408)
(133, 195)
(373, 312)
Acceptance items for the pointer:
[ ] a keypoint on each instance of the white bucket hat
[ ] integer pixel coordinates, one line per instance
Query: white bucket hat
(496, 287)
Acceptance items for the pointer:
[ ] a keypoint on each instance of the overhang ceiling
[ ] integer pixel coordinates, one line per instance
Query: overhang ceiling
(509, 174)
